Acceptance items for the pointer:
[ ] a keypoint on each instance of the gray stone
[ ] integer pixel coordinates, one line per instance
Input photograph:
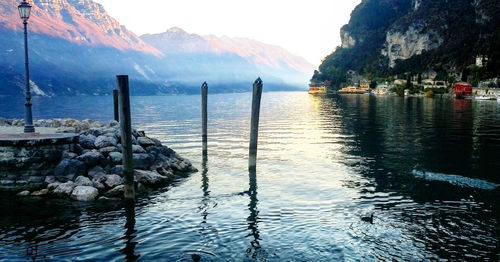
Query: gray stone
(87, 141)
(69, 155)
(145, 141)
(64, 189)
(118, 169)
(115, 157)
(108, 149)
(115, 192)
(91, 158)
(36, 179)
(114, 124)
(136, 149)
(105, 141)
(96, 172)
(143, 161)
(134, 141)
(156, 141)
(68, 169)
(42, 192)
(108, 199)
(100, 186)
(53, 186)
(23, 193)
(149, 178)
(50, 180)
(113, 180)
(83, 181)
(84, 193)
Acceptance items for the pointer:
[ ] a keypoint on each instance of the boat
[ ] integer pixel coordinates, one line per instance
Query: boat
(482, 97)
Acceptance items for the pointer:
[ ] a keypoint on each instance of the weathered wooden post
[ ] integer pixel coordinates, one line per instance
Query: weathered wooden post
(254, 125)
(126, 134)
(115, 105)
(204, 121)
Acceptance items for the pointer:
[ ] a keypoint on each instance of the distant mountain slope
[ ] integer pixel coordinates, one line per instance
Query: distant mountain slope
(389, 37)
(76, 48)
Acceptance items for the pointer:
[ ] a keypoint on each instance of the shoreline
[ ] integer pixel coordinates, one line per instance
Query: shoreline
(85, 168)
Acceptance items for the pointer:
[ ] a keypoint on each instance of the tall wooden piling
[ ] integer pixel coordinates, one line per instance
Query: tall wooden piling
(254, 124)
(126, 134)
(115, 105)
(204, 116)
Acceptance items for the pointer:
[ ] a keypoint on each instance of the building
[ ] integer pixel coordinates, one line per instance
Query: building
(481, 60)
(364, 84)
(354, 90)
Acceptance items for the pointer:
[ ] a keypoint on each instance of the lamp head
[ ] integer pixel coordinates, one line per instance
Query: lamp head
(24, 10)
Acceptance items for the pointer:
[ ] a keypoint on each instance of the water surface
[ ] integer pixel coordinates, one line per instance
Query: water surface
(323, 164)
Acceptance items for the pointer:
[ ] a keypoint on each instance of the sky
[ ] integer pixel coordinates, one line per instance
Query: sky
(306, 28)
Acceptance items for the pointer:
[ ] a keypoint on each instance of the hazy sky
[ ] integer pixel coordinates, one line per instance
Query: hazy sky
(306, 28)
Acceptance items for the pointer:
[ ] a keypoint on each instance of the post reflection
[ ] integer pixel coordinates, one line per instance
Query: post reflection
(205, 188)
(130, 232)
(252, 219)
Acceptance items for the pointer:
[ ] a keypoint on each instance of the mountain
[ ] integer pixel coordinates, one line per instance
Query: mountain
(76, 48)
(248, 56)
(394, 37)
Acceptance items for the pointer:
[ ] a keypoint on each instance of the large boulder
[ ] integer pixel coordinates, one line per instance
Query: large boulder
(105, 141)
(145, 141)
(136, 149)
(91, 158)
(115, 157)
(68, 169)
(87, 141)
(143, 161)
(96, 172)
(113, 180)
(64, 189)
(83, 181)
(84, 193)
(149, 178)
(115, 192)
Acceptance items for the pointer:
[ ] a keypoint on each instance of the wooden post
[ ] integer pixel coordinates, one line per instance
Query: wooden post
(126, 134)
(204, 116)
(254, 125)
(115, 105)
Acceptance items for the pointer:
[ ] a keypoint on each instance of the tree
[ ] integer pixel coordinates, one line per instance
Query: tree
(373, 84)
(419, 79)
(409, 84)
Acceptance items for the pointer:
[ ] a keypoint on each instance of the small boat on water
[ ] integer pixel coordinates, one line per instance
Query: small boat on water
(483, 97)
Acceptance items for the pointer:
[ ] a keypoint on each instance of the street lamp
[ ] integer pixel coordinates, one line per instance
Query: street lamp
(24, 13)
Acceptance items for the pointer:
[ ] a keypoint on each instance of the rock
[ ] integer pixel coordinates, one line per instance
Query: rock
(64, 189)
(68, 169)
(100, 186)
(105, 141)
(50, 180)
(134, 141)
(113, 180)
(83, 181)
(84, 193)
(23, 193)
(42, 192)
(115, 157)
(69, 155)
(143, 161)
(96, 172)
(145, 141)
(115, 192)
(53, 186)
(108, 149)
(136, 149)
(156, 141)
(91, 159)
(149, 178)
(108, 199)
(87, 141)
(114, 124)
(118, 169)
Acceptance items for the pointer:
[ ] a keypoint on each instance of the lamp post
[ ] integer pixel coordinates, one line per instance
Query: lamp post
(24, 13)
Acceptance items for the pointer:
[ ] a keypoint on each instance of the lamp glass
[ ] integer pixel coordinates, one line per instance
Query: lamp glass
(24, 10)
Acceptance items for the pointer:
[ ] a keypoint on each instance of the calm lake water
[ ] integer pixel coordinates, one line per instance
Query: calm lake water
(323, 164)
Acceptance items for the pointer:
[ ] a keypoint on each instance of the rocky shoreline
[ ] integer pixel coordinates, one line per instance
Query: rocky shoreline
(89, 168)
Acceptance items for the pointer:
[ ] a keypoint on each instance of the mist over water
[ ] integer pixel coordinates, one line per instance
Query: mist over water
(324, 163)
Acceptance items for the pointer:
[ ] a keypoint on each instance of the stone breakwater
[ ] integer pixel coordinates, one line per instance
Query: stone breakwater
(87, 166)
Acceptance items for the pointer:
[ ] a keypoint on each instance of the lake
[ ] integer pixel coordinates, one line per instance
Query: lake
(425, 168)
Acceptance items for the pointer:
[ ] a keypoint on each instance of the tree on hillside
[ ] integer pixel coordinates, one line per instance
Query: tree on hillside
(409, 84)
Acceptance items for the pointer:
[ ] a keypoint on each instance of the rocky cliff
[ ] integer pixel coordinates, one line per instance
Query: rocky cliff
(388, 37)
